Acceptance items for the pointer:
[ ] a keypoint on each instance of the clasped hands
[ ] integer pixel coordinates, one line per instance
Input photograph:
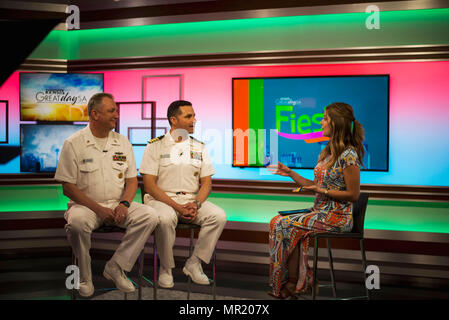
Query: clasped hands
(188, 211)
(115, 216)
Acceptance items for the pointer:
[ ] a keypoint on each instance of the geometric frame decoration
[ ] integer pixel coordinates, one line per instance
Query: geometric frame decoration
(159, 131)
(4, 134)
(163, 89)
(144, 111)
(153, 128)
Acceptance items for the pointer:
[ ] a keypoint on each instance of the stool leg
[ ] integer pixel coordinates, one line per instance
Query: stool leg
(331, 267)
(214, 287)
(315, 260)
(139, 281)
(154, 269)
(74, 262)
(362, 249)
(190, 254)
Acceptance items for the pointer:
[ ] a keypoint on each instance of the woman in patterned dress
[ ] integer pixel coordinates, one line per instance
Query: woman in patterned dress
(336, 185)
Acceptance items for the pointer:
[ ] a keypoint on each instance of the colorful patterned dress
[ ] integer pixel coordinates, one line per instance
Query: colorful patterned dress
(328, 215)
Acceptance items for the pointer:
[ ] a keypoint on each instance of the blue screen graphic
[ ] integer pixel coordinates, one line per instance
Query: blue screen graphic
(295, 107)
(41, 145)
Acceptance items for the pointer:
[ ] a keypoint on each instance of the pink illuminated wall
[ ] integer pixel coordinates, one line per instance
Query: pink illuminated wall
(419, 112)
(10, 91)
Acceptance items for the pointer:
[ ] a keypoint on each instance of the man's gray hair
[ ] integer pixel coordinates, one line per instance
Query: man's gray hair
(96, 101)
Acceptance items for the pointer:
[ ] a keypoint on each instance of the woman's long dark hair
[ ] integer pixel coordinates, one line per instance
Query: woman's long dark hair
(346, 131)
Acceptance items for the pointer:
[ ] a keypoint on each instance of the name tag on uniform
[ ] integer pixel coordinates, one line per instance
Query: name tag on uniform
(165, 156)
(87, 160)
(119, 157)
(195, 155)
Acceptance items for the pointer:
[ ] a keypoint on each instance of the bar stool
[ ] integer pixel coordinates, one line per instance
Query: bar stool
(115, 229)
(192, 228)
(183, 226)
(358, 214)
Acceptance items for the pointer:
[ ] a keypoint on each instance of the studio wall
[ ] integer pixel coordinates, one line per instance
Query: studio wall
(419, 111)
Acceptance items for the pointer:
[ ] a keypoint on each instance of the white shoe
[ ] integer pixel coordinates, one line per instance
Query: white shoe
(112, 271)
(195, 272)
(86, 289)
(165, 278)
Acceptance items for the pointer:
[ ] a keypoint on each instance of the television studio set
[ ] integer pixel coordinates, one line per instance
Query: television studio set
(216, 158)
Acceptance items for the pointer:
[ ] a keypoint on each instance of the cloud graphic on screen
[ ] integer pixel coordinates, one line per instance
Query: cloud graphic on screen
(74, 80)
(60, 81)
(46, 141)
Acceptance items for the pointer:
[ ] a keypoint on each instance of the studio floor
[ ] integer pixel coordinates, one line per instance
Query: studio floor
(31, 277)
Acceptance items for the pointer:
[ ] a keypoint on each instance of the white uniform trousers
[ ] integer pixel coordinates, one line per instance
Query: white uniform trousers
(81, 221)
(210, 217)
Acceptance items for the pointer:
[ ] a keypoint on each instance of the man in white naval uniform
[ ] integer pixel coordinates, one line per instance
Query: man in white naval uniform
(177, 172)
(98, 172)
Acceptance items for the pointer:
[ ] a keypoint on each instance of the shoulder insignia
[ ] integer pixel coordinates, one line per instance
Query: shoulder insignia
(196, 140)
(156, 139)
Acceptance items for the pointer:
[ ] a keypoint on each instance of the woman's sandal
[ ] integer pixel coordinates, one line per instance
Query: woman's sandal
(309, 287)
(286, 292)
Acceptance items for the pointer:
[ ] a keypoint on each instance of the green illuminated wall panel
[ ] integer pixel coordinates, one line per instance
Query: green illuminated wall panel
(413, 27)
(381, 214)
(55, 46)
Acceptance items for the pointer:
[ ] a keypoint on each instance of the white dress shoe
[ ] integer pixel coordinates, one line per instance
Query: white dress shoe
(86, 289)
(195, 272)
(165, 278)
(112, 271)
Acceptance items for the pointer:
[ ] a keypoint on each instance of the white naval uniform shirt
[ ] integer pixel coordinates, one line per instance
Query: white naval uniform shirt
(97, 172)
(178, 166)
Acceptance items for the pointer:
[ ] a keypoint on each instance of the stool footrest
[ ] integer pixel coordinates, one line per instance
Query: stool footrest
(353, 298)
(148, 280)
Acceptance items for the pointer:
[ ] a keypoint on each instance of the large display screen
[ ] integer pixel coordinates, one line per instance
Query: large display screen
(279, 118)
(41, 145)
(57, 96)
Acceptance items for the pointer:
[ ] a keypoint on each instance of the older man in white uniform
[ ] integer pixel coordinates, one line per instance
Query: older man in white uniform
(177, 172)
(98, 172)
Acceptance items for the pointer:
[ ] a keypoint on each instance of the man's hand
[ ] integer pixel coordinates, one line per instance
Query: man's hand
(71, 191)
(188, 211)
(120, 213)
(105, 214)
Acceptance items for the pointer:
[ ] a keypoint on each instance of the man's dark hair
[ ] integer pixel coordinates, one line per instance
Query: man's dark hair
(173, 109)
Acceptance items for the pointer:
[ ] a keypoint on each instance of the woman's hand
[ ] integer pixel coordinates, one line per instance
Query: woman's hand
(280, 169)
(314, 188)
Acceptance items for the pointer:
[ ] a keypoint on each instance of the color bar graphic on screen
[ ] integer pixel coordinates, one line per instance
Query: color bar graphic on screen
(249, 101)
(250, 132)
